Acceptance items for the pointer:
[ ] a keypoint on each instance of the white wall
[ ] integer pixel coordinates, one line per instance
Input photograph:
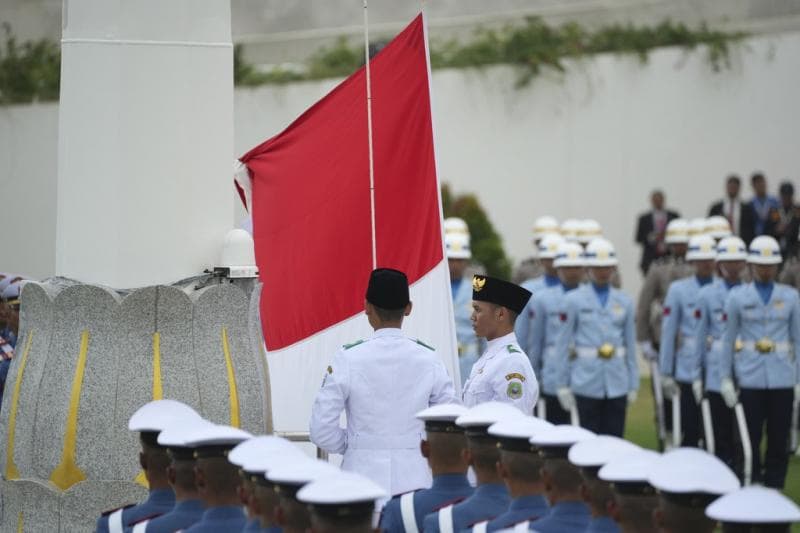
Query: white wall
(591, 143)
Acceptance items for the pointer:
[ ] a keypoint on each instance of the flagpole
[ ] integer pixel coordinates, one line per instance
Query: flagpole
(369, 137)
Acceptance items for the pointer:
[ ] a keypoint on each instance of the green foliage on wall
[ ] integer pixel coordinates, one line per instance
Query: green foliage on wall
(487, 247)
(29, 72)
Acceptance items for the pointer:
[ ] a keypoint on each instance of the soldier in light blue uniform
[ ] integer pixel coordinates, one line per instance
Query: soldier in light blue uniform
(765, 316)
(603, 377)
(217, 479)
(678, 357)
(547, 251)
(149, 420)
(490, 498)
(731, 256)
(457, 244)
(548, 318)
(443, 447)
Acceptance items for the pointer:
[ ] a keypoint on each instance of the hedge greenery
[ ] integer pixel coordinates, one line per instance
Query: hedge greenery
(30, 71)
(486, 244)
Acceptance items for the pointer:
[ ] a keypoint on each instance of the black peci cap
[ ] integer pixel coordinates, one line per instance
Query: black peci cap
(500, 292)
(388, 289)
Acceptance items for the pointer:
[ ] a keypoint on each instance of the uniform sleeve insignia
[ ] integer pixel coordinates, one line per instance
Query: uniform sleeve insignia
(698, 313)
(562, 317)
(514, 390)
(667, 311)
(512, 349)
(515, 375)
(431, 348)
(348, 346)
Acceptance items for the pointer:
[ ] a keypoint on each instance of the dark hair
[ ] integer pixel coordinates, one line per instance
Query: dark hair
(733, 178)
(786, 188)
(757, 176)
(389, 315)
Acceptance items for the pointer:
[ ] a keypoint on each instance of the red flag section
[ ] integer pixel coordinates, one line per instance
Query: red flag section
(311, 195)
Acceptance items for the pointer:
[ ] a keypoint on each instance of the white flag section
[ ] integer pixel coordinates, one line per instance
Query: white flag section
(296, 372)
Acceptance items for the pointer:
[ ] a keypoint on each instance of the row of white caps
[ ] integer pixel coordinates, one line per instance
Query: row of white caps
(275, 458)
(681, 472)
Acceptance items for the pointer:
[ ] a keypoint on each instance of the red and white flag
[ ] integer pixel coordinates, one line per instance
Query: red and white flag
(314, 221)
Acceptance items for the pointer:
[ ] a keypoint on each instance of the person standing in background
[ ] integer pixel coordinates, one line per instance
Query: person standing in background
(740, 214)
(784, 221)
(532, 267)
(651, 230)
(762, 203)
(457, 246)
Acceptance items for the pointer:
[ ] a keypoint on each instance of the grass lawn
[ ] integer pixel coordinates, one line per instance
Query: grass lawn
(640, 427)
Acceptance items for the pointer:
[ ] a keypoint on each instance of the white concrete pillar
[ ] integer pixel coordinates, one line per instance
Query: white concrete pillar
(145, 139)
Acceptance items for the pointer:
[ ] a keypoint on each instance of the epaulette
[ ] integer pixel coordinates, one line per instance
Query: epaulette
(431, 348)
(449, 502)
(145, 518)
(348, 346)
(512, 349)
(115, 509)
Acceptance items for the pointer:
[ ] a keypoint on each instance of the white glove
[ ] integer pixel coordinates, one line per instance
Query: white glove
(670, 387)
(632, 395)
(697, 390)
(649, 353)
(729, 394)
(566, 398)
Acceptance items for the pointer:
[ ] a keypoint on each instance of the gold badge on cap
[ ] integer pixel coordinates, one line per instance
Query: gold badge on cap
(478, 283)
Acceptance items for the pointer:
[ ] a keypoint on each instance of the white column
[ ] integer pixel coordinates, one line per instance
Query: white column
(145, 139)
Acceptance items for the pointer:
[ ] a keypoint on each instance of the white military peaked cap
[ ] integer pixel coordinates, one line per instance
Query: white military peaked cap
(692, 476)
(446, 412)
(754, 505)
(569, 254)
(176, 435)
(731, 249)
(216, 435)
(158, 415)
(549, 245)
(301, 472)
(557, 441)
(342, 494)
(677, 231)
(764, 250)
(544, 225)
(457, 246)
(594, 453)
(513, 434)
(246, 450)
(487, 413)
(701, 247)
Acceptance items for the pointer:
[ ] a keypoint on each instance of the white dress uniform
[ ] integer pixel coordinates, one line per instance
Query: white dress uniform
(381, 384)
(503, 373)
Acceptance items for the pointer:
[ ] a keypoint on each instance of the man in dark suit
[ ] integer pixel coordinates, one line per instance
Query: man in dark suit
(783, 222)
(740, 214)
(651, 229)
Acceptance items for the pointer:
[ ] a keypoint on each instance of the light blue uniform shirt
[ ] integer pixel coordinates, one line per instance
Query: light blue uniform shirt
(184, 514)
(488, 501)
(215, 519)
(446, 489)
(548, 318)
(678, 356)
(522, 328)
(750, 319)
(602, 524)
(710, 328)
(588, 325)
(158, 502)
(564, 517)
(521, 509)
(469, 346)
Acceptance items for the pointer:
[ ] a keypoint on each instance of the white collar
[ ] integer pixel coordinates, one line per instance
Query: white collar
(499, 342)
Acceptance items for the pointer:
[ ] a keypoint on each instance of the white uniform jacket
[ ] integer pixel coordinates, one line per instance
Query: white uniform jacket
(381, 383)
(504, 374)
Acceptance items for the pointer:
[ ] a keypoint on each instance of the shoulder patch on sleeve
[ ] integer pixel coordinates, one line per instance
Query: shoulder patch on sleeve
(515, 375)
(514, 390)
(356, 343)
(431, 348)
(512, 349)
